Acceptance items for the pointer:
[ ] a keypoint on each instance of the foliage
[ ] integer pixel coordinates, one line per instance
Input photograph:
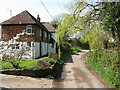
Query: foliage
(53, 56)
(62, 31)
(47, 59)
(74, 50)
(65, 46)
(106, 63)
(89, 22)
(110, 16)
(78, 43)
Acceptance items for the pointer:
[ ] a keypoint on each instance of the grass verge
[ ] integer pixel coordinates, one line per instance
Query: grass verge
(106, 65)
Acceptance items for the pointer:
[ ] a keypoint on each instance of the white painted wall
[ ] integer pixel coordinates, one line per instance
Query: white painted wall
(43, 48)
(36, 49)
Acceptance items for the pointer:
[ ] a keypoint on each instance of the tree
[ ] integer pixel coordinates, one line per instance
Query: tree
(62, 31)
(89, 20)
(14, 52)
(110, 15)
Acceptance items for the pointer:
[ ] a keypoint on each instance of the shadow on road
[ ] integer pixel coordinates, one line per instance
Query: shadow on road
(69, 60)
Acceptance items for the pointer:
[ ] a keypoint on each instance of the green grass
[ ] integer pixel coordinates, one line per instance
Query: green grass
(24, 64)
(28, 63)
(74, 50)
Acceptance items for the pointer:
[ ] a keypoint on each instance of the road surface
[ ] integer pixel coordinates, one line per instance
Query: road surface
(76, 74)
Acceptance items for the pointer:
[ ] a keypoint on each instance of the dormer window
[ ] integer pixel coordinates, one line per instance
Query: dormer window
(29, 28)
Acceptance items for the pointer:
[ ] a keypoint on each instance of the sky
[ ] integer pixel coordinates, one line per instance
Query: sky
(55, 7)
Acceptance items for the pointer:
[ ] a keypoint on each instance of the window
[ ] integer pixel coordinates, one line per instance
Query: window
(45, 33)
(40, 33)
(52, 45)
(29, 28)
(29, 44)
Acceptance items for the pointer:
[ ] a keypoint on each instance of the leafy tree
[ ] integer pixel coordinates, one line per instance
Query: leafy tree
(63, 30)
(14, 52)
(110, 15)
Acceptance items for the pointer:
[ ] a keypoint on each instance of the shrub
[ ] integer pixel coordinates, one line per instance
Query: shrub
(47, 59)
(65, 46)
(53, 56)
(106, 63)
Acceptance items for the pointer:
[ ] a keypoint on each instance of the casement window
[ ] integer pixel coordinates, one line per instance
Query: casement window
(45, 34)
(29, 28)
(29, 44)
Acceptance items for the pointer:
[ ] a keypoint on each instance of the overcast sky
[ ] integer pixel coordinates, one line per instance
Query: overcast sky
(35, 7)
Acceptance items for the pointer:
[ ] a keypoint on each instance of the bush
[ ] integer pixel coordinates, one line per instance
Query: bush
(47, 59)
(53, 56)
(65, 46)
(106, 64)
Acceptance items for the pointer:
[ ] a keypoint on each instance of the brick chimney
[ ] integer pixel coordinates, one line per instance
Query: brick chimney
(38, 18)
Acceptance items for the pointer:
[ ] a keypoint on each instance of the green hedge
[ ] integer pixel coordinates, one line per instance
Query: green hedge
(107, 64)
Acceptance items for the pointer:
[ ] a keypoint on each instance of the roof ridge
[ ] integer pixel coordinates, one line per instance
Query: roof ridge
(19, 17)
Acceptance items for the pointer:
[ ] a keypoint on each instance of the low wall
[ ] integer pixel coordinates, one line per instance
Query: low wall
(53, 71)
(29, 72)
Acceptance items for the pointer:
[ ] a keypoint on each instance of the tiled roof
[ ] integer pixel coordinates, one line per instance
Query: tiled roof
(26, 18)
(23, 18)
(49, 27)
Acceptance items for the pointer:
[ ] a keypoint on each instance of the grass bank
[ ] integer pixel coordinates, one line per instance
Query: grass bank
(106, 64)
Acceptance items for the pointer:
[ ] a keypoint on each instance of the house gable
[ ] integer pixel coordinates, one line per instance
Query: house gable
(23, 18)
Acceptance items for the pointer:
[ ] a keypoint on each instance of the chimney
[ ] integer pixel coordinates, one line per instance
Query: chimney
(38, 18)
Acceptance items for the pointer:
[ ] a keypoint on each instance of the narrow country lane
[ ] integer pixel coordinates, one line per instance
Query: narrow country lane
(77, 74)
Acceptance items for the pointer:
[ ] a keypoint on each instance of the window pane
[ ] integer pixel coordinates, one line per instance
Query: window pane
(29, 44)
(29, 31)
(29, 28)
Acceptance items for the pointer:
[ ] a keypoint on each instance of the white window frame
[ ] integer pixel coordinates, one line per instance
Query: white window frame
(29, 27)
